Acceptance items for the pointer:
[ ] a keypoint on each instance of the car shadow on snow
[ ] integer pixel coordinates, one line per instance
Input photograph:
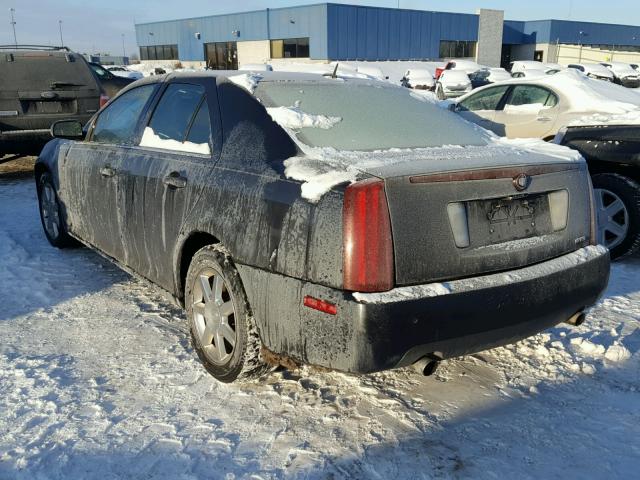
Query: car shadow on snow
(34, 276)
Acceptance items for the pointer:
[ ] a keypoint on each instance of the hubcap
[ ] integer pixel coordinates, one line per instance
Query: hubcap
(214, 316)
(50, 213)
(612, 218)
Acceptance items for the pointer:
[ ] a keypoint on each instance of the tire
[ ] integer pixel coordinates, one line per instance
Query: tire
(223, 331)
(618, 213)
(53, 223)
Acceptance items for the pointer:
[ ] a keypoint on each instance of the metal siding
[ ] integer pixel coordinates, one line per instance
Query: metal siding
(513, 33)
(308, 21)
(389, 34)
(597, 33)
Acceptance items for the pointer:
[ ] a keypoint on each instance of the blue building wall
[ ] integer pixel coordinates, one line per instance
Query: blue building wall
(552, 31)
(370, 33)
(348, 32)
(305, 21)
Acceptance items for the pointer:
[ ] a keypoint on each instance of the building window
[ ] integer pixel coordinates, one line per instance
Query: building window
(457, 49)
(159, 52)
(290, 48)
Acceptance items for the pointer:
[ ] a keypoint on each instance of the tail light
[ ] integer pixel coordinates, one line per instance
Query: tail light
(104, 99)
(368, 247)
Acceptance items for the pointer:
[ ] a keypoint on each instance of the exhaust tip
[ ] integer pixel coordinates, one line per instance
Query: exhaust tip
(426, 366)
(578, 319)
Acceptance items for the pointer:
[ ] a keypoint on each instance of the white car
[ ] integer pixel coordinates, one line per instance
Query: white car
(594, 70)
(624, 74)
(419, 79)
(452, 84)
(532, 73)
(527, 65)
(539, 108)
(120, 71)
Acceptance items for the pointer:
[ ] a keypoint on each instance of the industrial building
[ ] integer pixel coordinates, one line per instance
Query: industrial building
(327, 32)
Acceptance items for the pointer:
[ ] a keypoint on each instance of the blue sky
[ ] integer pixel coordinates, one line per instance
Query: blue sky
(99, 25)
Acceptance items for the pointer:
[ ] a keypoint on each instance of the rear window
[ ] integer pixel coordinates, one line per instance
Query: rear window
(45, 71)
(363, 116)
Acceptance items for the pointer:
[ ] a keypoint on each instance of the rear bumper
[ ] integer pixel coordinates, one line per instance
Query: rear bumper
(374, 332)
(630, 82)
(29, 142)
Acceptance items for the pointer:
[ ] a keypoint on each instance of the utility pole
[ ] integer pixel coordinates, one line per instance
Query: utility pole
(124, 53)
(60, 26)
(13, 24)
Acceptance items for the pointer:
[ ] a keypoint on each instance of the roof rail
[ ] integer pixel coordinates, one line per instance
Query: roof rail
(34, 47)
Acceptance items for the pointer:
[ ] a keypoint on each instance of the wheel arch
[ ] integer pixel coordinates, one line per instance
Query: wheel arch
(193, 242)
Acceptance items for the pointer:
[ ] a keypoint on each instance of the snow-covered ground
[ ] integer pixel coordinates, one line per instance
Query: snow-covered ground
(98, 380)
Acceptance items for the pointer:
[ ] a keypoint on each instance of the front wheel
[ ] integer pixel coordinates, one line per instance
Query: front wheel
(53, 223)
(618, 213)
(223, 331)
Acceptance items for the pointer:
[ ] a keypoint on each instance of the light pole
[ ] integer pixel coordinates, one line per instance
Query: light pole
(582, 34)
(124, 53)
(60, 27)
(13, 24)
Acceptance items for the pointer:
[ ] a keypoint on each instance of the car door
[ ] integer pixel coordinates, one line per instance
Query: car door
(164, 175)
(90, 169)
(480, 107)
(530, 111)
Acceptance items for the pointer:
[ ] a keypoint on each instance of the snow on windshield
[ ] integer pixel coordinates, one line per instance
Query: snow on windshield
(151, 140)
(294, 118)
(248, 81)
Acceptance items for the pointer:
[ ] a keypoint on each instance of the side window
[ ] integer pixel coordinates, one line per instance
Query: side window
(485, 100)
(531, 95)
(180, 121)
(116, 124)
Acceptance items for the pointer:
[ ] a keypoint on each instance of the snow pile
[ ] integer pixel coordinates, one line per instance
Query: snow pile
(248, 81)
(150, 139)
(294, 118)
(536, 145)
(629, 118)
(589, 95)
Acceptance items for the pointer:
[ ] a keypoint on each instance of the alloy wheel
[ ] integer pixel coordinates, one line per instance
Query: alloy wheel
(214, 316)
(612, 218)
(50, 211)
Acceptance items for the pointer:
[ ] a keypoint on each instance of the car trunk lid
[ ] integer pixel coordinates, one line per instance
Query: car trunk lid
(461, 212)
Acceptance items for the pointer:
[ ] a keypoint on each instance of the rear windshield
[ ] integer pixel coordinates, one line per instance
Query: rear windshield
(363, 116)
(45, 71)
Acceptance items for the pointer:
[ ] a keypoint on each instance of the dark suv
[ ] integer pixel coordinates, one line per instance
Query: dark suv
(38, 86)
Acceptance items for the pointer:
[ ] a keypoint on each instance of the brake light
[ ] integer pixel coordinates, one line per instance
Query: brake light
(368, 246)
(104, 99)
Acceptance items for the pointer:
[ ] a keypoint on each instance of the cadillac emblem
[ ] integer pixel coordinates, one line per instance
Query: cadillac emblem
(521, 182)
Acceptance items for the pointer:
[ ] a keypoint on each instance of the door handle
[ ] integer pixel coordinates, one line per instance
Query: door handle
(175, 180)
(107, 171)
(544, 119)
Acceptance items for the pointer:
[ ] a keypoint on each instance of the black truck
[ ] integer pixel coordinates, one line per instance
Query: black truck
(613, 155)
(40, 85)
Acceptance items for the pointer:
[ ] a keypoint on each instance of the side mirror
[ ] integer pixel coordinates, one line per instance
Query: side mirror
(453, 107)
(69, 129)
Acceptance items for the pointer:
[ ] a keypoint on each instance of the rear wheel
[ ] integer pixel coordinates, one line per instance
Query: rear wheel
(223, 331)
(53, 223)
(618, 213)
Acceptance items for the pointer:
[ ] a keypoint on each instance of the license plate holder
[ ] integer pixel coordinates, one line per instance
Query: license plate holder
(506, 219)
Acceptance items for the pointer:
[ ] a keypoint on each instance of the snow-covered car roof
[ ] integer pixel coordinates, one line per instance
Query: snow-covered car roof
(596, 69)
(468, 66)
(620, 68)
(584, 94)
(455, 76)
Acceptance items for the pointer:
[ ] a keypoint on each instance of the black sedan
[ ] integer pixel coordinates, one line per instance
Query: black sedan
(367, 230)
